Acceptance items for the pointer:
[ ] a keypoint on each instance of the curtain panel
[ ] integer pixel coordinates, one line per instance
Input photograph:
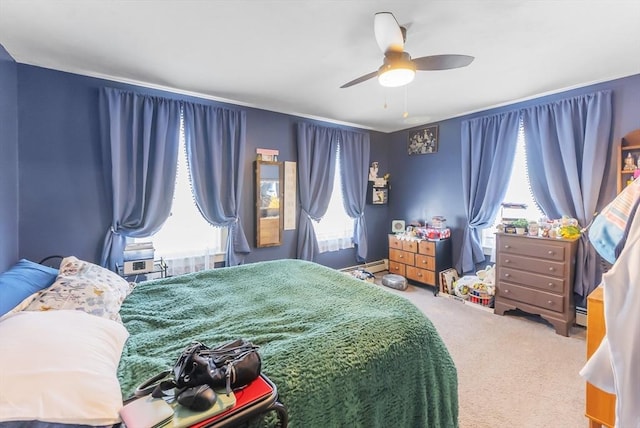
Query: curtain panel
(354, 167)
(141, 135)
(215, 140)
(567, 144)
(488, 150)
(317, 147)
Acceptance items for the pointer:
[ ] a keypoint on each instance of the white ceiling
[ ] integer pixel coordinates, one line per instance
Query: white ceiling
(293, 56)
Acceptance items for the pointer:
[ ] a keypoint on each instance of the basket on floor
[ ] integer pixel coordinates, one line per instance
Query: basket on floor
(481, 297)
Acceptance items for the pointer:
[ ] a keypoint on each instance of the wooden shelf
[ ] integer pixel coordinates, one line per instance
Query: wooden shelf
(630, 145)
(632, 139)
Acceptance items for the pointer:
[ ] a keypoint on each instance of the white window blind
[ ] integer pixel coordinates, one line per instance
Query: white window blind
(335, 230)
(186, 241)
(518, 192)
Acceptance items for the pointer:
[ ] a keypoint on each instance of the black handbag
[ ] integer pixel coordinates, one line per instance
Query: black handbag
(231, 365)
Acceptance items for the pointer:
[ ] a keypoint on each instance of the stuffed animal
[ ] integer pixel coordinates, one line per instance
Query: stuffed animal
(364, 275)
(490, 275)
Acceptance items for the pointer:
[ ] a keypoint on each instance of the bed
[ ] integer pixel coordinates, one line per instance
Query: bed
(341, 351)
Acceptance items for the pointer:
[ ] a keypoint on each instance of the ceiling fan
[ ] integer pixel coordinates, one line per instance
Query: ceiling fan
(398, 68)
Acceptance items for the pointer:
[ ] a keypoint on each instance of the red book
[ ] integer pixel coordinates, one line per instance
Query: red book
(250, 394)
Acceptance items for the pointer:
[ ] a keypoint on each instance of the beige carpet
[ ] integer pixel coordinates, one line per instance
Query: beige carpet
(513, 370)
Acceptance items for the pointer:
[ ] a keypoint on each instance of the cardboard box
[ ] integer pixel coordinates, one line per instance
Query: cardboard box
(139, 251)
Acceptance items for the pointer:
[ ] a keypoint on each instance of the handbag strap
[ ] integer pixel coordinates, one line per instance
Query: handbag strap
(148, 386)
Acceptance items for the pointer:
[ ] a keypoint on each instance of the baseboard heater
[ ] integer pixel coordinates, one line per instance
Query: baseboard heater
(581, 316)
(373, 267)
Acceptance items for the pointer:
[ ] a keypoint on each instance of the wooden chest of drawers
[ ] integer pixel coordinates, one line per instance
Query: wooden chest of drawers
(419, 260)
(536, 275)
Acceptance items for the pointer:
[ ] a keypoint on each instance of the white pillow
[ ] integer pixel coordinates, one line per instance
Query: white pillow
(84, 286)
(60, 366)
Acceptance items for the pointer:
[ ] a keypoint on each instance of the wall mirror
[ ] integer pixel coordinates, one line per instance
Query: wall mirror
(269, 203)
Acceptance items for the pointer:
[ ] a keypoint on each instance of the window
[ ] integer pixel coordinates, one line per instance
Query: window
(186, 241)
(335, 230)
(518, 192)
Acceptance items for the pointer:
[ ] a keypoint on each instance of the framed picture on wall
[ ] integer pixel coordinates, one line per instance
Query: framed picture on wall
(423, 141)
(380, 196)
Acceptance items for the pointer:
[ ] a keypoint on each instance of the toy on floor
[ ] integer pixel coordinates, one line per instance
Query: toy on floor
(362, 274)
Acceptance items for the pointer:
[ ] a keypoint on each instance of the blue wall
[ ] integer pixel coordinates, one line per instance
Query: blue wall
(64, 208)
(8, 160)
(428, 185)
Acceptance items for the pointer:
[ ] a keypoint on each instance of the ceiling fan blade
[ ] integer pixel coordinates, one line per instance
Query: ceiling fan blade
(360, 79)
(388, 33)
(442, 62)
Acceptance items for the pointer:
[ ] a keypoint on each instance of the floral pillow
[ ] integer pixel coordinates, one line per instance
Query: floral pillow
(85, 287)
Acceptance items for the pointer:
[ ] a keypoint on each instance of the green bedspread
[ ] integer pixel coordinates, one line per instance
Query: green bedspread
(342, 352)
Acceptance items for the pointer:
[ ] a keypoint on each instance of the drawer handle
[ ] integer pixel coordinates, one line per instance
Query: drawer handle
(507, 246)
(419, 275)
(551, 269)
(424, 262)
(506, 291)
(506, 275)
(552, 285)
(551, 253)
(507, 261)
(550, 302)
(396, 268)
(401, 256)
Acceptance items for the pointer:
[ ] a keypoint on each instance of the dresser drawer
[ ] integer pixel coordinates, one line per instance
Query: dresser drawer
(425, 262)
(395, 243)
(544, 267)
(552, 302)
(411, 246)
(427, 247)
(401, 256)
(540, 282)
(421, 275)
(397, 268)
(545, 249)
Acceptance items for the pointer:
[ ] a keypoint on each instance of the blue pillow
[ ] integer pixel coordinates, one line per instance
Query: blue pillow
(608, 232)
(22, 280)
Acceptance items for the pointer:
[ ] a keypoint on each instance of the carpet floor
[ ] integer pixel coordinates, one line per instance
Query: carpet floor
(513, 370)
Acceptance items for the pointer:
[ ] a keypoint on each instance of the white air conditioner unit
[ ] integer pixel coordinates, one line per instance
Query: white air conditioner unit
(138, 258)
(134, 267)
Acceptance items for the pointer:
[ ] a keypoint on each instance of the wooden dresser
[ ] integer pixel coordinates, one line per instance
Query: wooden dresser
(600, 408)
(419, 260)
(535, 275)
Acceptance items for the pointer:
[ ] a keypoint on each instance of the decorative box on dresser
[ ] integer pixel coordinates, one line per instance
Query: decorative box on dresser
(600, 406)
(535, 275)
(419, 260)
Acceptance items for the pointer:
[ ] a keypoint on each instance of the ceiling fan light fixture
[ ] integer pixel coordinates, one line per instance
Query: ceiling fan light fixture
(398, 69)
(396, 77)
(397, 72)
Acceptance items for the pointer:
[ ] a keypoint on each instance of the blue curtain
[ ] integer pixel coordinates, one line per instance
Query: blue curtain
(567, 144)
(141, 136)
(317, 147)
(488, 149)
(215, 142)
(354, 167)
